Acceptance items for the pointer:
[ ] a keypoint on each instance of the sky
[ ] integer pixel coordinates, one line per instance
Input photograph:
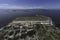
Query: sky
(29, 4)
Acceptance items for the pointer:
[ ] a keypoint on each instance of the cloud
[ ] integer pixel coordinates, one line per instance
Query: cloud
(4, 4)
(7, 6)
